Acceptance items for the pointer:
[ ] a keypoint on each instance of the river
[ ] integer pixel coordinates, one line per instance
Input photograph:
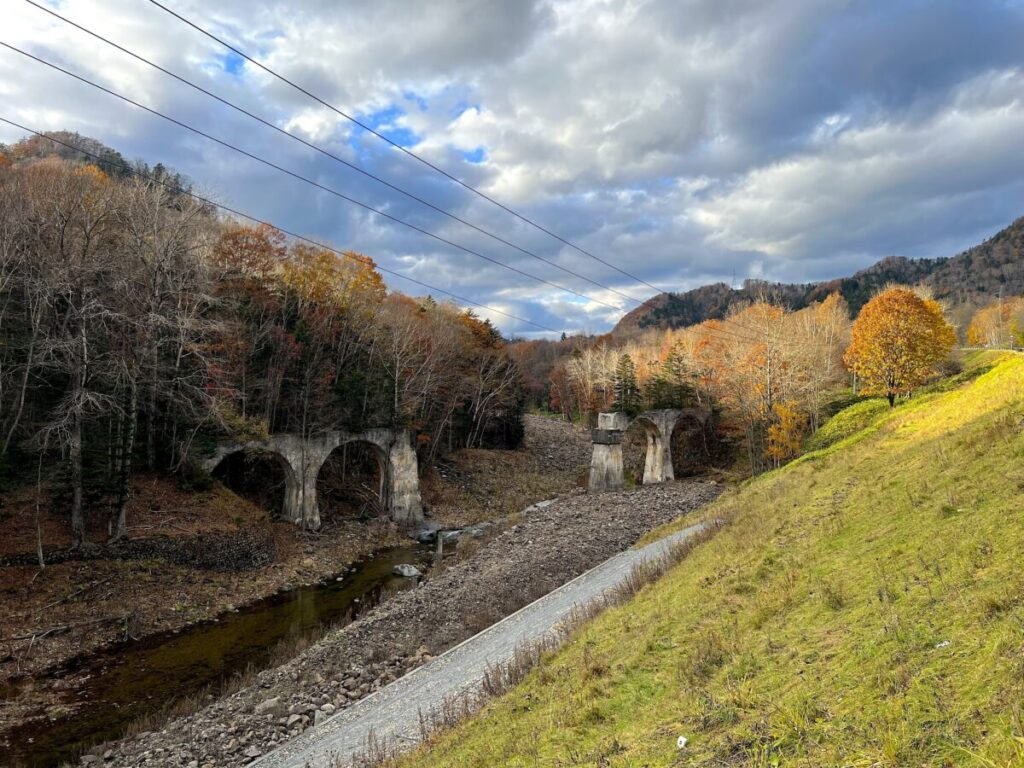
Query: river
(124, 682)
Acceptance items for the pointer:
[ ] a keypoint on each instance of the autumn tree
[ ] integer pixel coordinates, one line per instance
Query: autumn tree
(999, 325)
(897, 340)
(137, 328)
(786, 432)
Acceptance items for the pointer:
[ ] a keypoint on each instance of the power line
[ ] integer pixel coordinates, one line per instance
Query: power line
(302, 238)
(306, 179)
(329, 190)
(342, 196)
(256, 220)
(329, 154)
(399, 147)
(352, 166)
(418, 158)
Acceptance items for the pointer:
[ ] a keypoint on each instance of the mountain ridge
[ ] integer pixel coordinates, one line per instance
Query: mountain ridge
(995, 265)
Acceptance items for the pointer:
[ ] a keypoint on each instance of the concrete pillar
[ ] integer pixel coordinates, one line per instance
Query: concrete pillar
(606, 463)
(302, 460)
(309, 508)
(654, 461)
(606, 460)
(292, 511)
(405, 504)
(665, 421)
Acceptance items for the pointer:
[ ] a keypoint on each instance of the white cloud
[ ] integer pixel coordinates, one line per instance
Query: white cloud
(683, 140)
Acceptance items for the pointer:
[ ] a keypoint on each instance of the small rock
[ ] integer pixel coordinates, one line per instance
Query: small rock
(944, 644)
(292, 720)
(681, 742)
(449, 536)
(253, 752)
(426, 533)
(327, 709)
(406, 571)
(267, 704)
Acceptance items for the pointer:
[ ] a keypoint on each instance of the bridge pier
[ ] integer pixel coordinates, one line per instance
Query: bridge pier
(606, 468)
(303, 458)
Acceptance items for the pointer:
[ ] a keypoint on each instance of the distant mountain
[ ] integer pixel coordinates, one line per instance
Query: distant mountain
(973, 276)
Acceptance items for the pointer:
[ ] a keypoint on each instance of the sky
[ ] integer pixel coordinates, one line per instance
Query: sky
(681, 141)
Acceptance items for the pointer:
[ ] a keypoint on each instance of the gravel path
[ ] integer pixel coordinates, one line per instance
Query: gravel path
(392, 714)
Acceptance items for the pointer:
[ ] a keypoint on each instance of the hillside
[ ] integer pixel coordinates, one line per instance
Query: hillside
(863, 608)
(982, 271)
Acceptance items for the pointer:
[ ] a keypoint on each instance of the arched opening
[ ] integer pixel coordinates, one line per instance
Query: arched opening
(694, 446)
(352, 483)
(641, 453)
(258, 475)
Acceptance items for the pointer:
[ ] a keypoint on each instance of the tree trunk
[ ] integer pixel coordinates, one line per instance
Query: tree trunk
(75, 448)
(128, 448)
(39, 511)
(151, 422)
(75, 451)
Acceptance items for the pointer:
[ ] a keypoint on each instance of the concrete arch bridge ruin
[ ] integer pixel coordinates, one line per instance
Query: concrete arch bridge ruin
(606, 466)
(302, 458)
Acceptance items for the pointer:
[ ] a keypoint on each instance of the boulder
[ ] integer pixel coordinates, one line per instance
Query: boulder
(406, 571)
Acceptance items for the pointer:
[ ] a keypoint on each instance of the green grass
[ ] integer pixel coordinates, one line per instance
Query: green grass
(864, 608)
(847, 422)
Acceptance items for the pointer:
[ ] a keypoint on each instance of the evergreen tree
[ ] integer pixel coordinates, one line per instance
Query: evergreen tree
(627, 393)
(678, 381)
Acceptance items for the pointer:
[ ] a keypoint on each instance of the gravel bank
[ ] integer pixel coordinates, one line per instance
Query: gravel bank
(545, 549)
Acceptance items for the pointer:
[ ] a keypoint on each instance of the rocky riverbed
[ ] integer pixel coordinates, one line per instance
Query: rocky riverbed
(527, 558)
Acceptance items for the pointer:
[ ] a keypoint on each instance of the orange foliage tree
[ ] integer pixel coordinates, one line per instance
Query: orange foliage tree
(897, 340)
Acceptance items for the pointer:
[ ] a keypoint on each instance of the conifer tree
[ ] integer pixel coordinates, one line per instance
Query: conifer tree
(627, 393)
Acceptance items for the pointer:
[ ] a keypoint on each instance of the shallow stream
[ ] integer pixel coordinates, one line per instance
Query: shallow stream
(122, 683)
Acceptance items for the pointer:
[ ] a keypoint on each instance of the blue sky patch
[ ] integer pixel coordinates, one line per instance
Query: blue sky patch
(383, 121)
(232, 63)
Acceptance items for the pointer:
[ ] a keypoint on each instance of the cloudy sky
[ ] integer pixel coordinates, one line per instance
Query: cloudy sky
(682, 141)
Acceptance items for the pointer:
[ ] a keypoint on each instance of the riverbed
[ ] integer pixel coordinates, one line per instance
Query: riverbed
(110, 689)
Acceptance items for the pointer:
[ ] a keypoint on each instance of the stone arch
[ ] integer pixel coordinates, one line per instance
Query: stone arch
(378, 455)
(606, 471)
(290, 508)
(304, 456)
(687, 439)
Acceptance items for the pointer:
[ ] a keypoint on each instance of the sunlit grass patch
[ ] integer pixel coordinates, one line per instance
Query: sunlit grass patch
(864, 607)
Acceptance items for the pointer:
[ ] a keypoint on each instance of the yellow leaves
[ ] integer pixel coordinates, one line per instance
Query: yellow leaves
(333, 283)
(897, 340)
(786, 432)
(97, 186)
(92, 174)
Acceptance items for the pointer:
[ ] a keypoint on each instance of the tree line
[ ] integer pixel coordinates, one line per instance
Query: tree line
(772, 372)
(137, 327)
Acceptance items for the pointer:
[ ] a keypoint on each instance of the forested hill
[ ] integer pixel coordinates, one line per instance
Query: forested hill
(982, 271)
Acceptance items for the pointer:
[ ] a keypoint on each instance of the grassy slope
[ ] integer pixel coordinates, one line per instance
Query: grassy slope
(866, 607)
